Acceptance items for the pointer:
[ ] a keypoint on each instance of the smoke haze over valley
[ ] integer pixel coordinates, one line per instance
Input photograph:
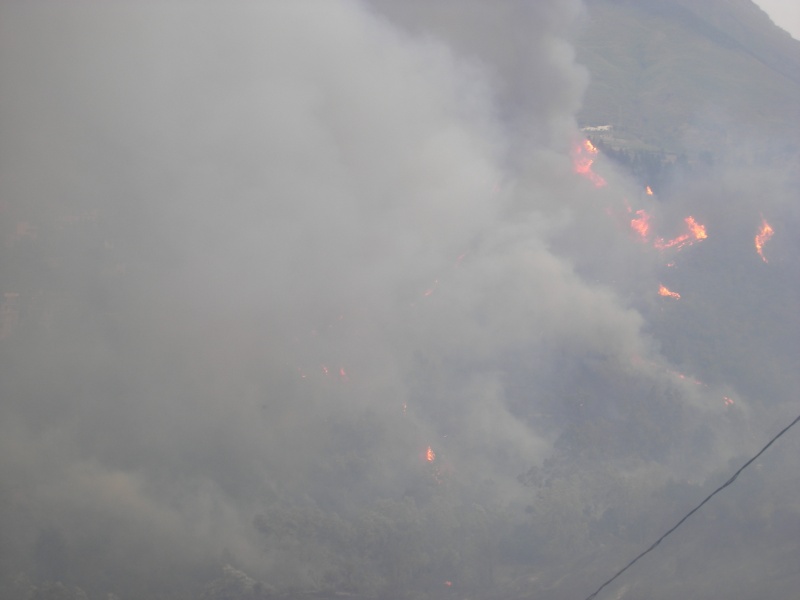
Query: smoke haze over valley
(337, 297)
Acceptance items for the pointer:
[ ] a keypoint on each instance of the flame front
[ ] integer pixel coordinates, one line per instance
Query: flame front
(648, 190)
(696, 232)
(696, 229)
(583, 161)
(765, 232)
(641, 224)
(678, 242)
(664, 291)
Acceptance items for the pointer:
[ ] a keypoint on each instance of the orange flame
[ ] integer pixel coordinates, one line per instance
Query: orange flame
(582, 162)
(765, 232)
(696, 231)
(664, 291)
(648, 191)
(641, 224)
(430, 455)
(679, 241)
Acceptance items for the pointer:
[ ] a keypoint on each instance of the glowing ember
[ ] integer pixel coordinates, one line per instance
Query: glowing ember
(583, 161)
(686, 378)
(663, 291)
(430, 455)
(641, 224)
(648, 191)
(343, 375)
(727, 401)
(448, 583)
(762, 237)
(431, 289)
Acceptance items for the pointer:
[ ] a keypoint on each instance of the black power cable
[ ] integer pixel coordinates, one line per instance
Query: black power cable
(695, 509)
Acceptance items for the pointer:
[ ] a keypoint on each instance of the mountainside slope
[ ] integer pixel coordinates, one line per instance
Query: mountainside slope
(690, 77)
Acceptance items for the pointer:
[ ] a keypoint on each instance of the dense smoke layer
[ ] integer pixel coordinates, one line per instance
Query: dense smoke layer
(274, 264)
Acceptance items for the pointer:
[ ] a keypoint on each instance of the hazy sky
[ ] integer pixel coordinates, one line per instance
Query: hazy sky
(784, 13)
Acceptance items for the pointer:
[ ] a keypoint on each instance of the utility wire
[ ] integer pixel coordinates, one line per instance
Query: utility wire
(695, 509)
